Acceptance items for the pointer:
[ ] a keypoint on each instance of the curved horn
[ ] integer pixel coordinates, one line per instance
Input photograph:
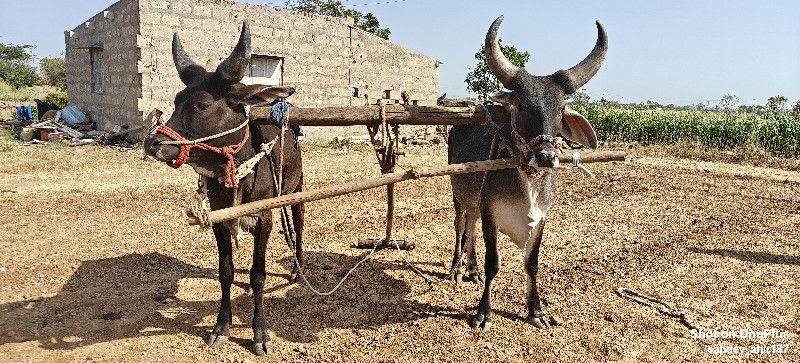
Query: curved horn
(501, 67)
(578, 75)
(187, 68)
(232, 69)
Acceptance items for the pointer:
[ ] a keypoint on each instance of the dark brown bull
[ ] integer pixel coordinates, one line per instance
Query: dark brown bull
(213, 103)
(515, 201)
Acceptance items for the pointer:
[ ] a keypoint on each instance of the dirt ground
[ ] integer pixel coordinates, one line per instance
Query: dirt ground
(100, 266)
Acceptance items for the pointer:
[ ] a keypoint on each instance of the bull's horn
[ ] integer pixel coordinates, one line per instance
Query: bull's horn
(501, 67)
(187, 68)
(233, 69)
(578, 75)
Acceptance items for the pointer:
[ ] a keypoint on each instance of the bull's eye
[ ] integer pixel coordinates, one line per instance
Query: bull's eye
(203, 105)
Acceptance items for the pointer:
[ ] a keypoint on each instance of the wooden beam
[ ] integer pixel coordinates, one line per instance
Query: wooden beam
(371, 115)
(385, 179)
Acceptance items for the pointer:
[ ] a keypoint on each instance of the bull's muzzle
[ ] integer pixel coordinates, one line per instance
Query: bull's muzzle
(163, 153)
(543, 159)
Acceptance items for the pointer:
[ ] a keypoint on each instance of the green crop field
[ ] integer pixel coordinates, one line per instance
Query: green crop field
(777, 134)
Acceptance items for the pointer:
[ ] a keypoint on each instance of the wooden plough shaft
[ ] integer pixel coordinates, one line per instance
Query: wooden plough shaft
(386, 179)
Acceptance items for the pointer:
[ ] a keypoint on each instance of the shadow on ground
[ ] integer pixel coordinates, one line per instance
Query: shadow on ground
(136, 295)
(749, 256)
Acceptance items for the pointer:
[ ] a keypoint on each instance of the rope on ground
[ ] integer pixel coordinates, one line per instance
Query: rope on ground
(277, 180)
(290, 244)
(341, 281)
(658, 304)
(428, 279)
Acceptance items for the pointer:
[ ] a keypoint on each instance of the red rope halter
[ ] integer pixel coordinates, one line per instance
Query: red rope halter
(227, 151)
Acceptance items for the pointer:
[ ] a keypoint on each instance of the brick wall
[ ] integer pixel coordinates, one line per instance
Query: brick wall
(325, 58)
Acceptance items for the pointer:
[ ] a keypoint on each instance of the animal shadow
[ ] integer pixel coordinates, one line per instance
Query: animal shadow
(370, 297)
(108, 299)
(138, 295)
(749, 256)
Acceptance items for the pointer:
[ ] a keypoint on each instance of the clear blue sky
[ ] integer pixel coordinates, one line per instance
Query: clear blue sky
(680, 51)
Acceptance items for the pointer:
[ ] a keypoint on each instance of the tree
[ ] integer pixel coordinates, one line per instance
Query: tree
(796, 109)
(775, 104)
(700, 106)
(728, 102)
(652, 105)
(481, 81)
(366, 22)
(579, 97)
(15, 67)
(16, 53)
(609, 103)
(55, 72)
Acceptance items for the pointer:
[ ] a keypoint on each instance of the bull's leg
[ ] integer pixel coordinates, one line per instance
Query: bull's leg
(473, 273)
(461, 239)
(298, 218)
(535, 314)
(261, 341)
(482, 319)
(220, 333)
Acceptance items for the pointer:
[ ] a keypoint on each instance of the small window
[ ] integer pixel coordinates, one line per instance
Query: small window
(264, 70)
(98, 78)
(354, 92)
(387, 94)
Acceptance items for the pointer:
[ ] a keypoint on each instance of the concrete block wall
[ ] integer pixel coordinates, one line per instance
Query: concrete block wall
(114, 30)
(379, 66)
(325, 58)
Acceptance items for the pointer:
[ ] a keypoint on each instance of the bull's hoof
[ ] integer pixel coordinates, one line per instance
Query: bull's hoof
(480, 322)
(261, 342)
(475, 277)
(295, 275)
(539, 320)
(216, 341)
(262, 348)
(456, 275)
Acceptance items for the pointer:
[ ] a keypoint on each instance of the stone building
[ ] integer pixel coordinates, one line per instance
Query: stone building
(119, 62)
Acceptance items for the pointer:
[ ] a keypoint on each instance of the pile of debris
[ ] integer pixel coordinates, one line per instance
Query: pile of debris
(418, 135)
(69, 125)
(425, 136)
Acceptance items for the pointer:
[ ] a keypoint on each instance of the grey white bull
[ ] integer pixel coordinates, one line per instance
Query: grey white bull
(516, 201)
(212, 107)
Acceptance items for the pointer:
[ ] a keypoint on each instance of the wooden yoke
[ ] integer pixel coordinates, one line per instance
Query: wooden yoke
(395, 114)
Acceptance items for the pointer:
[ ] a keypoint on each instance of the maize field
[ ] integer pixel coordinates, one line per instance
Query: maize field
(777, 134)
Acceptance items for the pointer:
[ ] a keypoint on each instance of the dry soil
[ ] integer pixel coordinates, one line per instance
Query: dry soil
(101, 266)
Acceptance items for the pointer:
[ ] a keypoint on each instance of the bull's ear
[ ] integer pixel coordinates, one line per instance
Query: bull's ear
(259, 94)
(575, 127)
